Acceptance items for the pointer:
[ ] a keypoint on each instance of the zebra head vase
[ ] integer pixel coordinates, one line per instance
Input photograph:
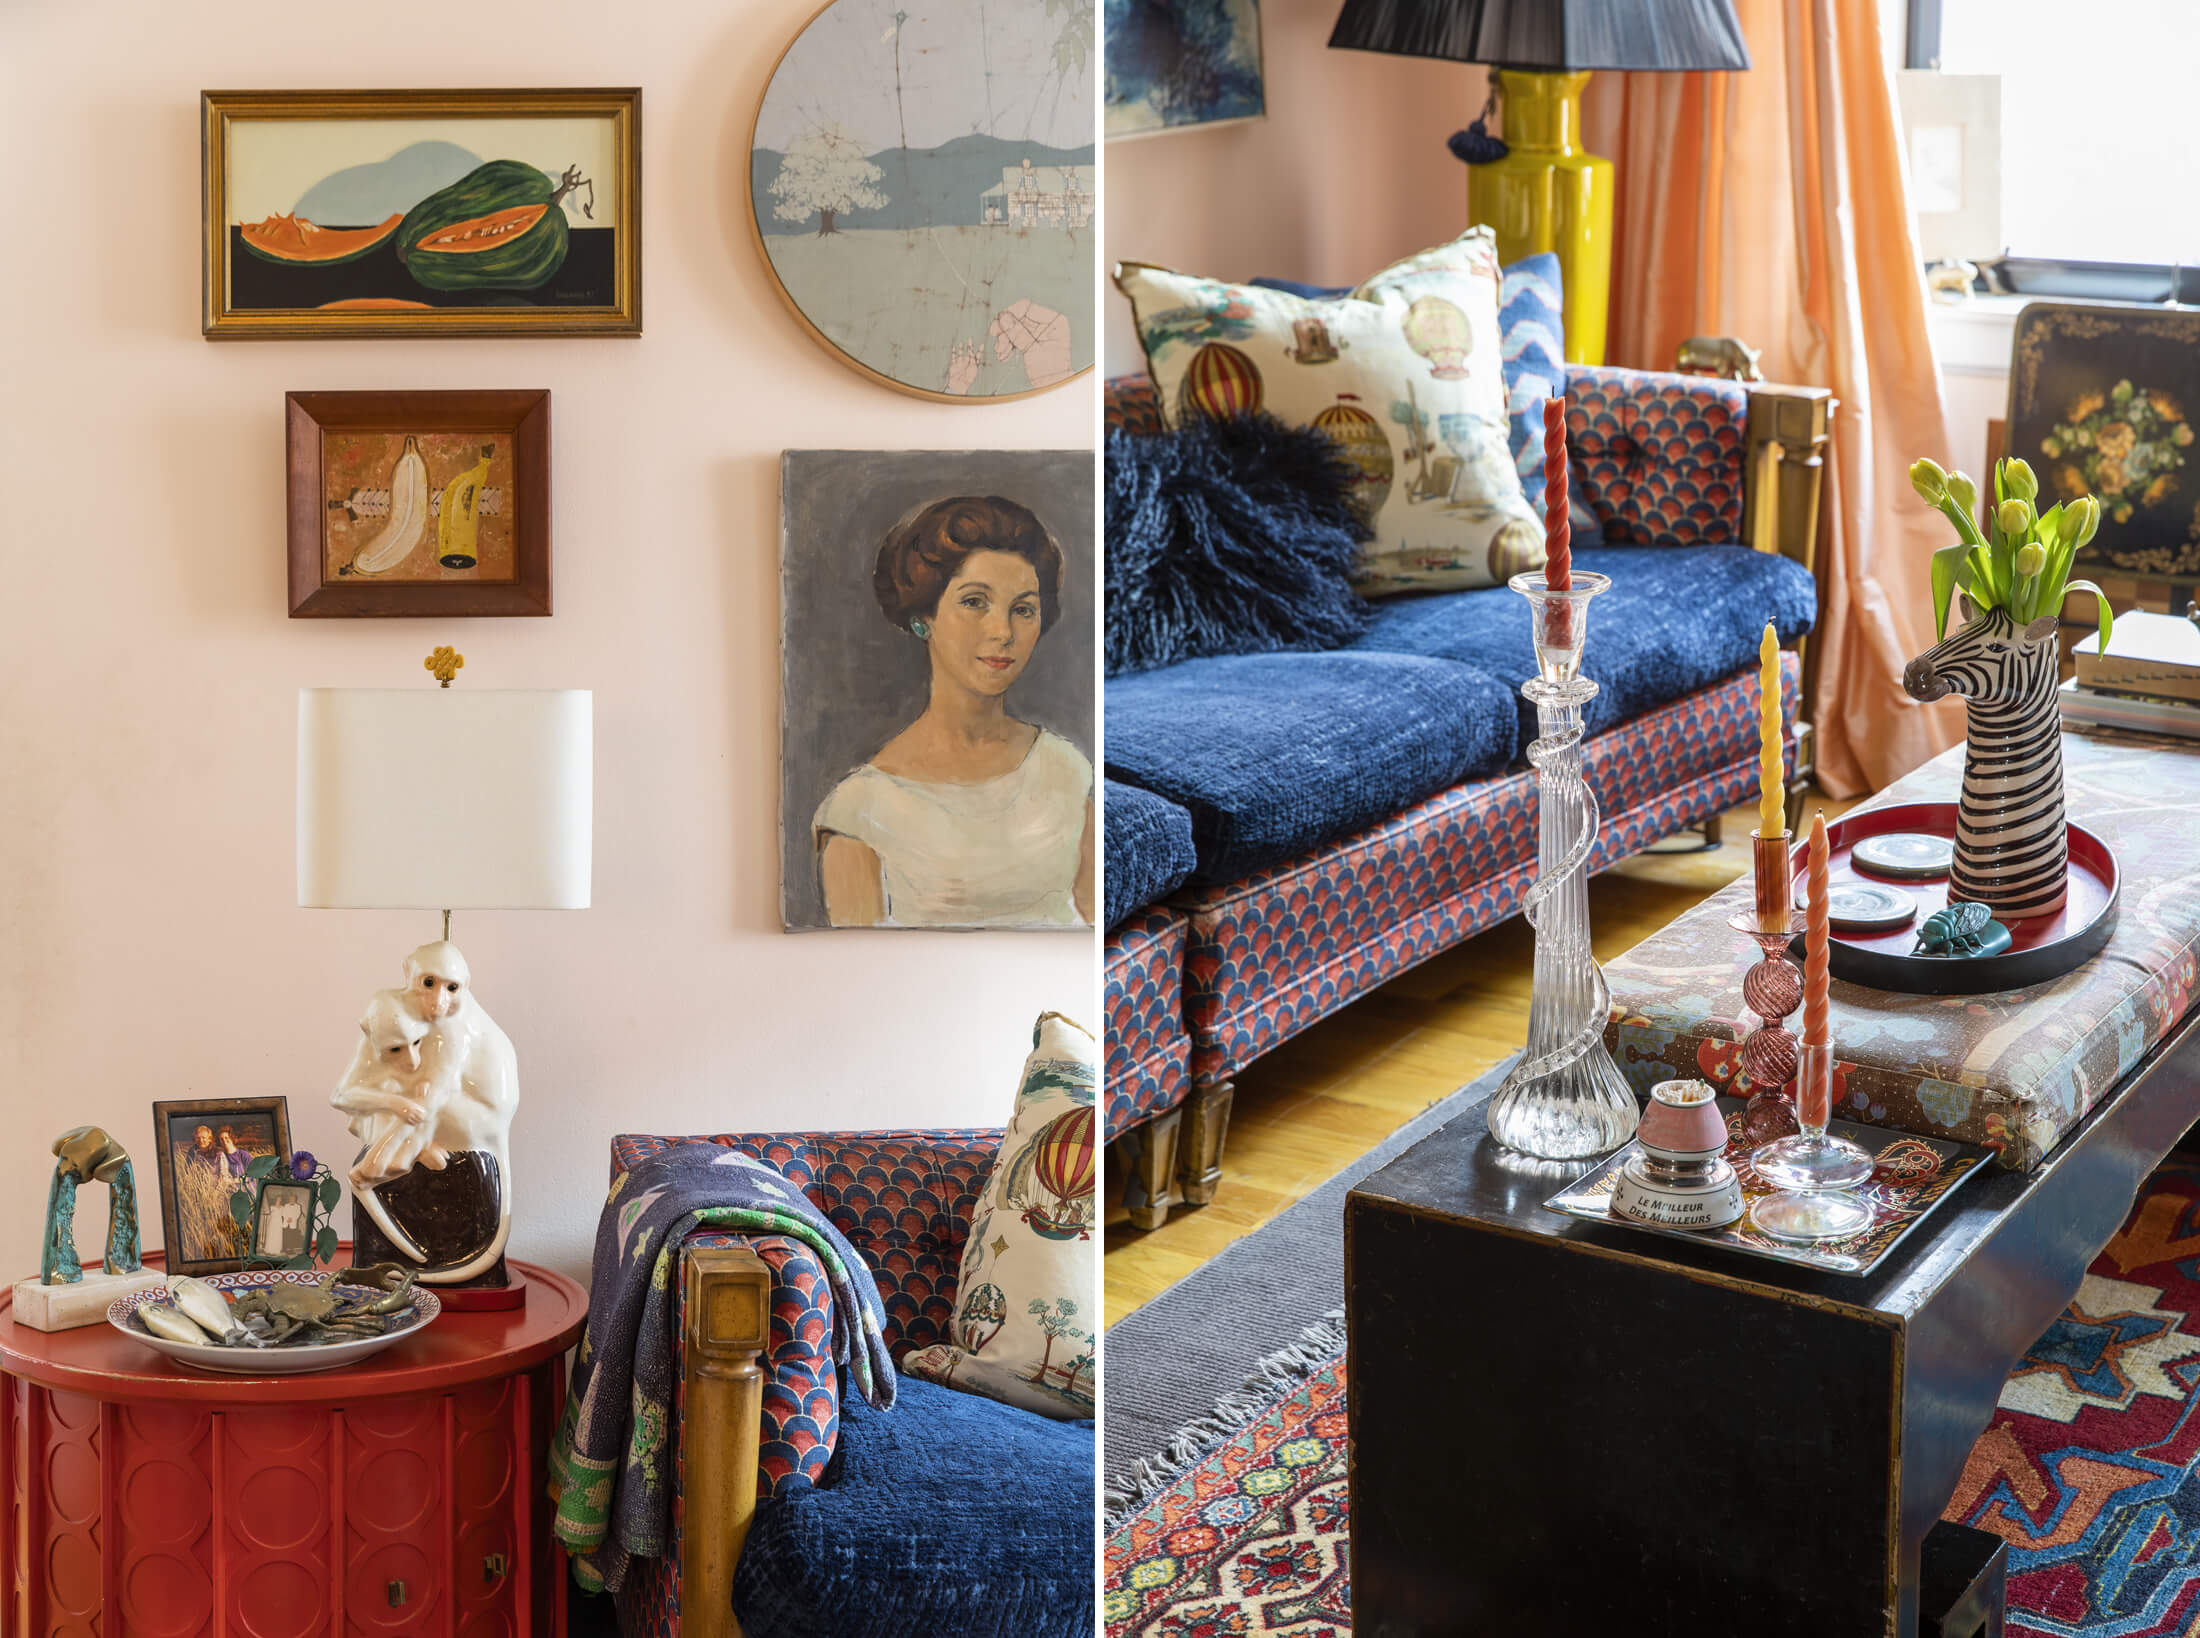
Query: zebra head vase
(2012, 845)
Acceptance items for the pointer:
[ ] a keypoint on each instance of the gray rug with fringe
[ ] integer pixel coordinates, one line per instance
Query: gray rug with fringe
(1187, 1370)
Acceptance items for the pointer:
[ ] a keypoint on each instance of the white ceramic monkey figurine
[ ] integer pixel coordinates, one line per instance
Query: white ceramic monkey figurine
(464, 1054)
(394, 1093)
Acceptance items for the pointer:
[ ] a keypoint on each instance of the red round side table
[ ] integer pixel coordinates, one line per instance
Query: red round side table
(403, 1496)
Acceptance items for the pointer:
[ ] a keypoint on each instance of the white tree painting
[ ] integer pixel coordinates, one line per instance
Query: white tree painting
(824, 172)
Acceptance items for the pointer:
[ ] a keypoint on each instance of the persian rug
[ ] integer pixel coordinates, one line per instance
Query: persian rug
(2090, 1471)
(1169, 1362)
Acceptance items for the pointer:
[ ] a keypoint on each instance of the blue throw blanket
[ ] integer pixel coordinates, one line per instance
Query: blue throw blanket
(611, 1465)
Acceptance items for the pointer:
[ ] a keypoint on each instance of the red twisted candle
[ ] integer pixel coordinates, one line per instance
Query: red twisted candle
(1558, 528)
(1816, 937)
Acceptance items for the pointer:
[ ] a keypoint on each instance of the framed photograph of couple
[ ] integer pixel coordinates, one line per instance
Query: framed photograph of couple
(205, 1150)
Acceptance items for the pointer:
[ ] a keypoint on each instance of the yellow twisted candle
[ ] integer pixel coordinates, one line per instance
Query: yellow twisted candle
(1772, 794)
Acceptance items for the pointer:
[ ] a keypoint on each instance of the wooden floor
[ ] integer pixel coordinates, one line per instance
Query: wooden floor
(1308, 1109)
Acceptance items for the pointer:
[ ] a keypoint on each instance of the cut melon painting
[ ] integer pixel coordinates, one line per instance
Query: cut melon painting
(367, 216)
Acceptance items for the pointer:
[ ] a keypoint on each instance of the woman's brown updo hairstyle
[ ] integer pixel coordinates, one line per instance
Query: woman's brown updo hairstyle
(924, 551)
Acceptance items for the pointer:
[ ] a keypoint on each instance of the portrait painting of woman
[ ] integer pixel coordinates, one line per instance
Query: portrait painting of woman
(962, 805)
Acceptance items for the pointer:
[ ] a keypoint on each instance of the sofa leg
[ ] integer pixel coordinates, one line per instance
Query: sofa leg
(1150, 1190)
(1714, 830)
(1207, 1124)
(728, 1301)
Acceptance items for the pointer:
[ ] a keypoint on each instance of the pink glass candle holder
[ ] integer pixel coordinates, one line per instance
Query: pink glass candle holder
(1813, 1170)
(1772, 989)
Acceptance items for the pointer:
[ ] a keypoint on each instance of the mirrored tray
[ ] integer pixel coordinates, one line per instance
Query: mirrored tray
(1912, 1175)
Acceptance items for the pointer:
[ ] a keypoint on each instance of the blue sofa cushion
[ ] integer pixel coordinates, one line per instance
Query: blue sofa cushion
(1676, 619)
(1148, 849)
(1273, 753)
(949, 1515)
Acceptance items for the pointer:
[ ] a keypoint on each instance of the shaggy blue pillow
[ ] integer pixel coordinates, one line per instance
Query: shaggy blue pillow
(1231, 536)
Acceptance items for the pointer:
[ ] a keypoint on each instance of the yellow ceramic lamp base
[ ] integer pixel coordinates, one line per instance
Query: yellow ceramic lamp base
(1546, 194)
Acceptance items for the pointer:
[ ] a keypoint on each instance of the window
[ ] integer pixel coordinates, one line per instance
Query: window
(2098, 161)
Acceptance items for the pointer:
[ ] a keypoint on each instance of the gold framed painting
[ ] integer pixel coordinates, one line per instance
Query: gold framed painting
(421, 213)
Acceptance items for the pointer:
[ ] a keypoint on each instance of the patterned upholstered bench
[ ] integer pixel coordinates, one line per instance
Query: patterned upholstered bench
(799, 1510)
(1707, 494)
(2014, 1071)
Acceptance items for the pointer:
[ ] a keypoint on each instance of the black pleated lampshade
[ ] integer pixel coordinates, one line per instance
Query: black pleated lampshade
(1550, 34)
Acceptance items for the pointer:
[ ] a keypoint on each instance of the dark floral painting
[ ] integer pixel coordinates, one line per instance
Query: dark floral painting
(2101, 403)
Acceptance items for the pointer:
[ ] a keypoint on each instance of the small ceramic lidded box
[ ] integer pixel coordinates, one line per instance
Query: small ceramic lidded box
(1681, 1178)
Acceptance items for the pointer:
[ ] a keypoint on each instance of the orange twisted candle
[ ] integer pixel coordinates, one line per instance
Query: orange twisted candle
(1816, 936)
(1558, 529)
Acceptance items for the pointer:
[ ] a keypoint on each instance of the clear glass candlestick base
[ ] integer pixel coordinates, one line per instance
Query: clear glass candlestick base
(1565, 1099)
(1813, 1170)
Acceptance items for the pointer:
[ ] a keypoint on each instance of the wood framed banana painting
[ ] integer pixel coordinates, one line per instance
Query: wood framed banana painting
(421, 213)
(418, 503)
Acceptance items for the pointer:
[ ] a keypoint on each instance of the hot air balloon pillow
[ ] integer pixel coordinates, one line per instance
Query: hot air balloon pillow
(1406, 374)
(1027, 1310)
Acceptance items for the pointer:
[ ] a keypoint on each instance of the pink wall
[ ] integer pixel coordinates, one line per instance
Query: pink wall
(152, 948)
(1347, 172)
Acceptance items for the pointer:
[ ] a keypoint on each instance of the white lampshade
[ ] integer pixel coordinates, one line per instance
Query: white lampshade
(444, 798)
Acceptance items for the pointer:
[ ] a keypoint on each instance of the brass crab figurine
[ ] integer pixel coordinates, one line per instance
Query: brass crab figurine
(273, 1315)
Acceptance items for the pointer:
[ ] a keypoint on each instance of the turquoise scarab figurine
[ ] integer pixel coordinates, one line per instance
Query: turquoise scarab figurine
(1962, 929)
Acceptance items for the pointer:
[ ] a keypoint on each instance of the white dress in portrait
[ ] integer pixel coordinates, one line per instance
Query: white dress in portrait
(995, 853)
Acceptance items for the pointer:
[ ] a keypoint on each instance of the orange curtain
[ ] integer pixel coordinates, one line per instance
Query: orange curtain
(1771, 205)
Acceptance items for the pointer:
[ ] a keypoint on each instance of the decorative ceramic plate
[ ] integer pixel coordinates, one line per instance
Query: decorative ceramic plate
(295, 1359)
(1911, 1176)
(1907, 855)
(1861, 906)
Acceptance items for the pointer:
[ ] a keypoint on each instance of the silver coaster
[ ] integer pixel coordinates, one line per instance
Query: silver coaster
(1863, 907)
(1912, 855)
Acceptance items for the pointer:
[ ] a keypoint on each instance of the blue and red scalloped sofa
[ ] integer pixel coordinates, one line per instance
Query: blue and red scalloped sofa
(952, 1514)
(1284, 832)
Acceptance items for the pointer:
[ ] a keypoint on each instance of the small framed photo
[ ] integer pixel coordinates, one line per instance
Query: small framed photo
(282, 1221)
(206, 1150)
(418, 503)
(421, 213)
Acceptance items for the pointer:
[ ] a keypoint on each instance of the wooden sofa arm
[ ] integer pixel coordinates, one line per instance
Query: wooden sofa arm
(1783, 473)
(728, 1323)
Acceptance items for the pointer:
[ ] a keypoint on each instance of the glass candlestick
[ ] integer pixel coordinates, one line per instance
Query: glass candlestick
(1772, 989)
(1565, 1099)
(1812, 1170)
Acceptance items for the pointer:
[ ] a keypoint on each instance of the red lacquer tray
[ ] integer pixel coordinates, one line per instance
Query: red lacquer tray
(2040, 947)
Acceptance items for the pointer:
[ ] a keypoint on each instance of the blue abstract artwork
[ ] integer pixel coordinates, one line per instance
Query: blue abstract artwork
(1171, 63)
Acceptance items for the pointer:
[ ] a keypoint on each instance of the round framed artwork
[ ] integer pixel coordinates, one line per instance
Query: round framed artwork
(922, 187)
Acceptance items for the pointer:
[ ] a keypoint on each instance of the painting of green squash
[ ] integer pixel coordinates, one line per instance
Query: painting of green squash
(499, 227)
